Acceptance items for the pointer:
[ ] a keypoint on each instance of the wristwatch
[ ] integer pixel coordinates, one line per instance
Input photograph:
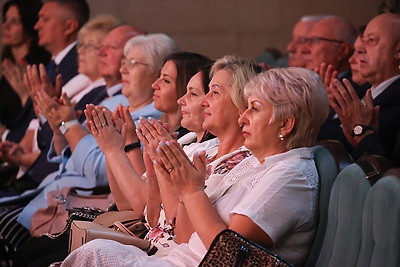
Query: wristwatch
(359, 129)
(65, 125)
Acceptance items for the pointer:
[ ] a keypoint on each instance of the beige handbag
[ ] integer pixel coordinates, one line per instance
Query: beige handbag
(53, 219)
(120, 226)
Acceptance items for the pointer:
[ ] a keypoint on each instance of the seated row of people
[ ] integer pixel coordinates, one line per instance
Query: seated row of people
(371, 128)
(261, 149)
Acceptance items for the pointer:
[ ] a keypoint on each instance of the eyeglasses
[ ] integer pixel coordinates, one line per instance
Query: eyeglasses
(130, 63)
(302, 39)
(316, 40)
(87, 47)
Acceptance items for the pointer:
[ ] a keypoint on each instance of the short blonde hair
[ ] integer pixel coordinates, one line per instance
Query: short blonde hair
(102, 24)
(242, 71)
(293, 92)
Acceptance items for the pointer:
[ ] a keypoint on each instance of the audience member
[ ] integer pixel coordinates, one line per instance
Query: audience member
(139, 68)
(367, 130)
(296, 55)
(25, 154)
(71, 169)
(329, 46)
(355, 63)
(20, 47)
(232, 74)
(169, 87)
(58, 26)
(330, 41)
(281, 170)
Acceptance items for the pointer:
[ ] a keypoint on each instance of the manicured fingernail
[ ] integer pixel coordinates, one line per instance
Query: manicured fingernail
(161, 143)
(196, 154)
(149, 118)
(168, 143)
(177, 133)
(154, 162)
(158, 150)
(140, 118)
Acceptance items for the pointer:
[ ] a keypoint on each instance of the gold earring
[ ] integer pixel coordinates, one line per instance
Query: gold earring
(281, 137)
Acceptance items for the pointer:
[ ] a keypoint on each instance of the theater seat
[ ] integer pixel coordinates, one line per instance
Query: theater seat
(381, 223)
(327, 167)
(338, 150)
(343, 234)
(342, 240)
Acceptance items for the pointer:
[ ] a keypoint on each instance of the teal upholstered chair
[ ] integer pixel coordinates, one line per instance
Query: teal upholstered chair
(339, 151)
(342, 239)
(327, 169)
(381, 223)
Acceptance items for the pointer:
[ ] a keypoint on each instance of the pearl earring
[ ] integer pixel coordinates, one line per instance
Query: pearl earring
(281, 137)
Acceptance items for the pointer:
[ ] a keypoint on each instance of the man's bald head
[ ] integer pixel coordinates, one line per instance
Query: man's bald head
(381, 46)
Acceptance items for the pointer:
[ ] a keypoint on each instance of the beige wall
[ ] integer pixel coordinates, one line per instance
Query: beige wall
(219, 27)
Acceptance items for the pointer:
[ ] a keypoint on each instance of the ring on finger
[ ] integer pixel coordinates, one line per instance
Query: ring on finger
(104, 124)
(170, 170)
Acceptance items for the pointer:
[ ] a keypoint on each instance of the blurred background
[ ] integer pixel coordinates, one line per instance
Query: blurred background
(219, 27)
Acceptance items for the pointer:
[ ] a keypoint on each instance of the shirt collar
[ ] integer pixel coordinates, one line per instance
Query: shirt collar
(377, 90)
(61, 55)
(114, 89)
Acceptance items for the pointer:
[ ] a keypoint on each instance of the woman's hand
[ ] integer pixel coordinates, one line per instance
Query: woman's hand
(122, 116)
(185, 176)
(100, 124)
(14, 73)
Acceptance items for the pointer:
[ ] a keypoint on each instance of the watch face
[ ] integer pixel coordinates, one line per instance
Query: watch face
(63, 128)
(358, 130)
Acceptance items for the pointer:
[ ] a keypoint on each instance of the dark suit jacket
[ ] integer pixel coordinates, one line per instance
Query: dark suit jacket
(68, 67)
(385, 141)
(331, 129)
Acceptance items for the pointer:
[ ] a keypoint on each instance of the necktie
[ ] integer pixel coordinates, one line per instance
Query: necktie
(52, 71)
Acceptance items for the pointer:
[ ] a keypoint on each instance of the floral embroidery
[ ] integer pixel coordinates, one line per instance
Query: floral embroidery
(228, 164)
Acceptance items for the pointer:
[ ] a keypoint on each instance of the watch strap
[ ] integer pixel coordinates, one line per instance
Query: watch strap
(132, 146)
(65, 125)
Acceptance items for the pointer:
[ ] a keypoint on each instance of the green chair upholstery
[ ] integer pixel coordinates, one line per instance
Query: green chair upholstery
(342, 239)
(328, 170)
(381, 223)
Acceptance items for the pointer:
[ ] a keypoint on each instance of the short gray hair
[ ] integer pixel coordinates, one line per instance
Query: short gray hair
(156, 46)
(312, 18)
(293, 92)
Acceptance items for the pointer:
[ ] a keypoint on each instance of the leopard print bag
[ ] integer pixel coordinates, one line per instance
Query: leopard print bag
(231, 249)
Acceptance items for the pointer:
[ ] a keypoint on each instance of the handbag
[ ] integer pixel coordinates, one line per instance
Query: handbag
(231, 249)
(65, 205)
(112, 226)
(127, 218)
